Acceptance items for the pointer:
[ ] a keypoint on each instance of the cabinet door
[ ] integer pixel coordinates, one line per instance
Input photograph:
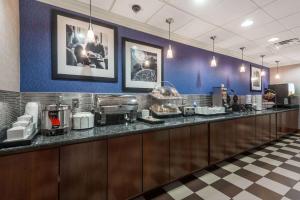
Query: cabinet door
(281, 124)
(217, 143)
(180, 157)
(292, 121)
(199, 146)
(263, 133)
(83, 171)
(230, 138)
(273, 124)
(124, 167)
(245, 133)
(156, 159)
(30, 176)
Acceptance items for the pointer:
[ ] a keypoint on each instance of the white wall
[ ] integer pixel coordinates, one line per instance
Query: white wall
(9, 45)
(288, 74)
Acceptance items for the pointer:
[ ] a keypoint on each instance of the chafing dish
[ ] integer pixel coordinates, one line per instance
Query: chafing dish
(115, 109)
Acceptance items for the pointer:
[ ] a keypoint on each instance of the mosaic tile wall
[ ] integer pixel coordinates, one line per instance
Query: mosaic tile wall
(9, 108)
(13, 104)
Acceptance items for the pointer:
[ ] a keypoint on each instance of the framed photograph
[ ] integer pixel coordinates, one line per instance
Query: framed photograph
(142, 66)
(256, 80)
(76, 58)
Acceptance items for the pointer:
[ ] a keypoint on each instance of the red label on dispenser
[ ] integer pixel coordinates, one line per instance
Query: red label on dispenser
(53, 116)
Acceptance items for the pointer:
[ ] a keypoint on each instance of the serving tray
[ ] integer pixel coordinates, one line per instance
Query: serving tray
(14, 143)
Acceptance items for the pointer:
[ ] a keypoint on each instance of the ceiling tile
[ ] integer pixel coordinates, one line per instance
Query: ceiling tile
(195, 28)
(291, 21)
(259, 18)
(103, 4)
(263, 31)
(233, 43)
(296, 31)
(256, 51)
(263, 2)
(221, 35)
(217, 12)
(283, 8)
(291, 51)
(180, 18)
(282, 36)
(123, 7)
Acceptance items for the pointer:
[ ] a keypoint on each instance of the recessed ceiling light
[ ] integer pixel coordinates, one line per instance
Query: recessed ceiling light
(274, 39)
(247, 22)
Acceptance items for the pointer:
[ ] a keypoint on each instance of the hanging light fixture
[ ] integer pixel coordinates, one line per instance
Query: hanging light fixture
(170, 51)
(90, 33)
(213, 62)
(263, 72)
(243, 68)
(277, 76)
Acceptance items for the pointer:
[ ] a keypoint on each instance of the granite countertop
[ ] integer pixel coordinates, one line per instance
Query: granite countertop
(97, 133)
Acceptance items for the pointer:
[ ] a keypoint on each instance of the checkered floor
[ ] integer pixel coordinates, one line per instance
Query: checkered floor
(271, 172)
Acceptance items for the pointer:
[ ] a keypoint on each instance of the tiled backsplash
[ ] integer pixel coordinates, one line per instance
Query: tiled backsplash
(9, 108)
(12, 104)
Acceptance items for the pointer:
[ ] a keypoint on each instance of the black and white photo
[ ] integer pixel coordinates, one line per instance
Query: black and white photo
(76, 57)
(143, 65)
(256, 80)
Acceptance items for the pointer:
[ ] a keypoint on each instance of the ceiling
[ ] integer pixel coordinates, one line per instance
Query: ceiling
(198, 20)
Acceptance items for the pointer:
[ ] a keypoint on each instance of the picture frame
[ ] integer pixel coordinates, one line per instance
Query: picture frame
(255, 79)
(143, 65)
(74, 58)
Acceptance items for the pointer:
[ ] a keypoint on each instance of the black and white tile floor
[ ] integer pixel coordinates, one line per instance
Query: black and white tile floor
(269, 173)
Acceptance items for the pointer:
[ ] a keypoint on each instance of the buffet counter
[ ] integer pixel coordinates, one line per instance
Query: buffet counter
(111, 131)
(121, 161)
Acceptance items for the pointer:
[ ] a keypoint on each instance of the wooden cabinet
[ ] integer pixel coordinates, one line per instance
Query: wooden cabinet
(180, 160)
(124, 167)
(281, 124)
(30, 176)
(230, 138)
(222, 140)
(292, 121)
(287, 122)
(156, 159)
(199, 146)
(188, 150)
(245, 133)
(217, 145)
(83, 171)
(263, 130)
(273, 126)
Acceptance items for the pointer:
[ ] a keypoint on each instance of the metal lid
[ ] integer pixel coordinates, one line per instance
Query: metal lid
(109, 100)
(57, 107)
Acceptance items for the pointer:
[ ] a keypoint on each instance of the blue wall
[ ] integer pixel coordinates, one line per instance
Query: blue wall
(189, 71)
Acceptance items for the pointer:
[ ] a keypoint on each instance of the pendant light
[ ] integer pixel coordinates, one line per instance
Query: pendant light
(170, 51)
(90, 33)
(213, 62)
(243, 68)
(263, 72)
(277, 76)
